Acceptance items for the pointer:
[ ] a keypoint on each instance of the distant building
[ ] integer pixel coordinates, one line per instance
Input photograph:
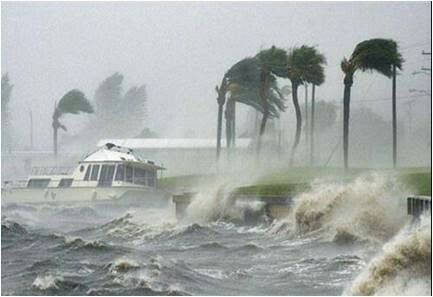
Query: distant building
(182, 156)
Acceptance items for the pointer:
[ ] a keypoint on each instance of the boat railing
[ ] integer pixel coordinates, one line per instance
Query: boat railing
(13, 184)
(52, 170)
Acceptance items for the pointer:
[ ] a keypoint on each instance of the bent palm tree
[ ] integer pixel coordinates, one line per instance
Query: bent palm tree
(304, 65)
(221, 99)
(272, 62)
(245, 84)
(72, 102)
(379, 55)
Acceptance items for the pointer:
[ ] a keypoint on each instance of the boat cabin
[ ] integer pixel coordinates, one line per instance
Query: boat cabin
(109, 166)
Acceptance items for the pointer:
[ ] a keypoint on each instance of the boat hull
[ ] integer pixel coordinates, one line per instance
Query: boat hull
(101, 195)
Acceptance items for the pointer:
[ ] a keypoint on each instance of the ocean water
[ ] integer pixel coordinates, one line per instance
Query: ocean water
(338, 239)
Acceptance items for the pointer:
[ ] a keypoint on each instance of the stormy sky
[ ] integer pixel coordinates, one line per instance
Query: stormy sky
(181, 50)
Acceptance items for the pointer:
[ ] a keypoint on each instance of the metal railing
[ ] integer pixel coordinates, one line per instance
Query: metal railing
(13, 184)
(52, 170)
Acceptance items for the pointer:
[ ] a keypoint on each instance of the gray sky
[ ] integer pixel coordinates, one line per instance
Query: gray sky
(181, 50)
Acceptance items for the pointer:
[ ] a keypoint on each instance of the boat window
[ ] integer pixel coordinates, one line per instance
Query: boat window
(120, 172)
(139, 176)
(128, 174)
(151, 178)
(65, 182)
(95, 172)
(38, 183)
(87, 175)
(106, 176)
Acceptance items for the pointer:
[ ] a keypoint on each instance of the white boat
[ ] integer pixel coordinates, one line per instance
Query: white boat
(110, 174)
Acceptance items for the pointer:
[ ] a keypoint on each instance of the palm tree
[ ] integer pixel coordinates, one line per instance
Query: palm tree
(379, 55)
(304, 65)
(73, 102)
(221, 99)
(6, 91)
(245, 85)
(273, 63)
(243, 82)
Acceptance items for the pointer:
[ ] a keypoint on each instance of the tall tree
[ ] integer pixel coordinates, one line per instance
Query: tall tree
(221, 99)
(273, 63)
(305, 65)
(108, 98)
(5, 113)
(379, 55)
(73, 102)
(134, 108)
(242, 82)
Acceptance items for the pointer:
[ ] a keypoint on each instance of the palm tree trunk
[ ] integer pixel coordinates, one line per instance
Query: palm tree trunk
(261, 132)
(346, 110)
(233, 133)
(220, 100)
(263, 86)
(298, 121)
(394, 118)
(312, 126)
(227, 115)
(219, 129)
(56, 125)
(307, 130)
(55, 139)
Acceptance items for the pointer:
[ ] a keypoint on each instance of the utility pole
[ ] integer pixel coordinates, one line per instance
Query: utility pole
(425, 71)
(426, 54)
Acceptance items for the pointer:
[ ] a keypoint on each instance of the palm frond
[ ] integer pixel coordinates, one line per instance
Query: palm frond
(273, 60)
(377, 55)
(305, 64)
(74, 102)
(245, 73)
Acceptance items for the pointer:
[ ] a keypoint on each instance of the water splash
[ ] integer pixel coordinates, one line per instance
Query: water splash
(403, 267)
(368, 208)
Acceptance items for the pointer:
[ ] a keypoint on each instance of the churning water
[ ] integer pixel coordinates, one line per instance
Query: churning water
(339, 238)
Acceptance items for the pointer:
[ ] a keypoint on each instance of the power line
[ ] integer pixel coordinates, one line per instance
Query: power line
(381, 99)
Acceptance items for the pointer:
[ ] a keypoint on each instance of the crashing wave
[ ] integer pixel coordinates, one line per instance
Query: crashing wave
(80, 244)
(216, 202)
(56, 285)
(47, 282)
(123, 265)
(368, 208)
(403, 267)
(10, 228)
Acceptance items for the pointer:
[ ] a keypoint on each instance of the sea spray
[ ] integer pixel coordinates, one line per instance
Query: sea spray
(212, 203)
(215, 201)
(47, 282)
(369, 207)
(402, 268)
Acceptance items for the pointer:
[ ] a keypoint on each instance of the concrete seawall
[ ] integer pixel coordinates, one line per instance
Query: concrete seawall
(277, 207)
(274, 207)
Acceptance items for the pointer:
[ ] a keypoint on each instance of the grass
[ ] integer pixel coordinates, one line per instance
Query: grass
(296, 180)
(419, 183)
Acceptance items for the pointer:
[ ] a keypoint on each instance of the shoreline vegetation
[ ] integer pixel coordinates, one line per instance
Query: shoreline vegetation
(297, 180)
